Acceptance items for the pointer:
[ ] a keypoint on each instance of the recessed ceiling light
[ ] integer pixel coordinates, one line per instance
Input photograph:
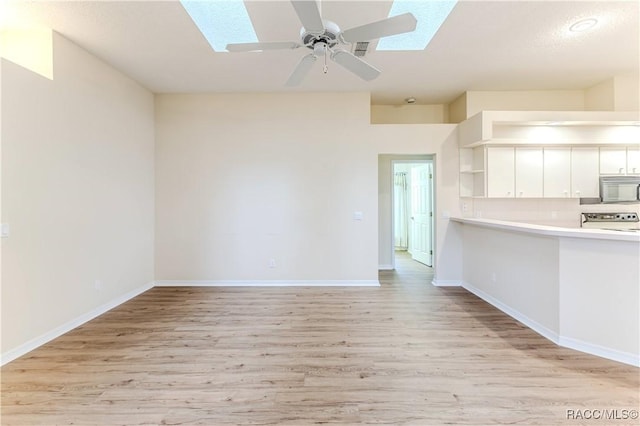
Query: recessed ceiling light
(221, 22)
(583, 25)
(430, 16)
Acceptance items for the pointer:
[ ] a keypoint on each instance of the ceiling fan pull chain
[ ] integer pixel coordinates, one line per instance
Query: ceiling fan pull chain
(325, 69)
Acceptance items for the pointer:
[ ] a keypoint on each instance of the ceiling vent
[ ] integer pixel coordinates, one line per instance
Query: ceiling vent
(360, 48)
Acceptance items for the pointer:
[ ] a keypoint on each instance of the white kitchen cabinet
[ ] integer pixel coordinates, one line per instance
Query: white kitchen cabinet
(536, 172)
(557, 173)
(633, 161)
(500, 172)
(528, 172)
(613, 161)
(584, 172)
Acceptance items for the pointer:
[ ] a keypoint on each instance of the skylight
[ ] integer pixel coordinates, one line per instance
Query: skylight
(430, 15)
(221, 22)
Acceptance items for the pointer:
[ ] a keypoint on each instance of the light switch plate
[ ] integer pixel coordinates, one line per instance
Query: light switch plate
(4, 230)
(357, 216)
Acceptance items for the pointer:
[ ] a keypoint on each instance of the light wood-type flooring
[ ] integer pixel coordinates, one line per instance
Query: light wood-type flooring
(403, 353)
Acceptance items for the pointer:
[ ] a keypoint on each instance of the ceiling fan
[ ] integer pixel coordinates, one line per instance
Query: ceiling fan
(323, 37)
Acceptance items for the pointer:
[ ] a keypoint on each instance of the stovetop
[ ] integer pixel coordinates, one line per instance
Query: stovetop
(610, 217)
(625, 221)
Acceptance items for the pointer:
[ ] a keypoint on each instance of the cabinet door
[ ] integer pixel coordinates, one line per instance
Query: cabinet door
(557, 173)
(500, 172)
(613, 161)
(584, 173)
(528, 172)
(633, 161)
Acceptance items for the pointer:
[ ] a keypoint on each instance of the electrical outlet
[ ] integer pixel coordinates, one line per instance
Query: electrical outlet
(272, 263)
(97, 285)
(493, 277)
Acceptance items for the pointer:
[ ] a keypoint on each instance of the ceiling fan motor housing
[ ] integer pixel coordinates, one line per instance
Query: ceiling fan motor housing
(329, 37)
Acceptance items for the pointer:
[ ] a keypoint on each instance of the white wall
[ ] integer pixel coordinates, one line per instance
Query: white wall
(409, 114)
(524, 100)
(600, 295)
(600, 97)
(519, 271)
(1, 244)
(458, 109)
(627, 92)
(242, 179)
(77, 191)
(473, 102)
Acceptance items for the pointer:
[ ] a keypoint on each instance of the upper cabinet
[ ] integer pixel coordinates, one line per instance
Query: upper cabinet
(633, 161)
(514, 172)
(584, 172)
(546, 154)
(613, 161)
(619, 161)
(528, 172)
(556, 172)
(500, 172)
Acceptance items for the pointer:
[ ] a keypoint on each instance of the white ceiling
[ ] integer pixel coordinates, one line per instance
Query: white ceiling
(501, 45)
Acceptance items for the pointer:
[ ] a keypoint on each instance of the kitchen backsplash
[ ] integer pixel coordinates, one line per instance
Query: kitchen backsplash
(552, 211)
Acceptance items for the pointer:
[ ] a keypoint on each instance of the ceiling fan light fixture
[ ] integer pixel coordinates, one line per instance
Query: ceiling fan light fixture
(410, 100)
(320, 48)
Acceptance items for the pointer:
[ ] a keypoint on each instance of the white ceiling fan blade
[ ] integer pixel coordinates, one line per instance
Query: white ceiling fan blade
(301, 70)
(252, 47)
(309, 15)
(355, 65)
(387, 27)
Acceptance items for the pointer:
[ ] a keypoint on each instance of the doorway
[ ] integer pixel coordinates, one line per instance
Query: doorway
(412, 211)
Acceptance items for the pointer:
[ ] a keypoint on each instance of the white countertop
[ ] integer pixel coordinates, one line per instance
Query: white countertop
(555, 231)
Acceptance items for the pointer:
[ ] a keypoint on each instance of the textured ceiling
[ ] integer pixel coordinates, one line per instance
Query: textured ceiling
(502, 45)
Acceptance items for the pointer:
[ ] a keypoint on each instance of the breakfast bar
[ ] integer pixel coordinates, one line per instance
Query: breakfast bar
(578, 287)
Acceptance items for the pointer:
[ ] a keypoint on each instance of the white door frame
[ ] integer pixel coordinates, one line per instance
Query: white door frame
(407, 159)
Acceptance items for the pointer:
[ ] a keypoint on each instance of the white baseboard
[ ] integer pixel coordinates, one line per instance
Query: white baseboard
(32, 344)
(446, 283)
(601, 351)
(385, 267)
(267, 283)
(532, 324)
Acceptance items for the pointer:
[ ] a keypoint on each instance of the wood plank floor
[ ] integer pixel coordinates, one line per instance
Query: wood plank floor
(403, 353)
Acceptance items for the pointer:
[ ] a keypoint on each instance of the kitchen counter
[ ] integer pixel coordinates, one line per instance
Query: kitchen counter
(578, 287)
(556, 231)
